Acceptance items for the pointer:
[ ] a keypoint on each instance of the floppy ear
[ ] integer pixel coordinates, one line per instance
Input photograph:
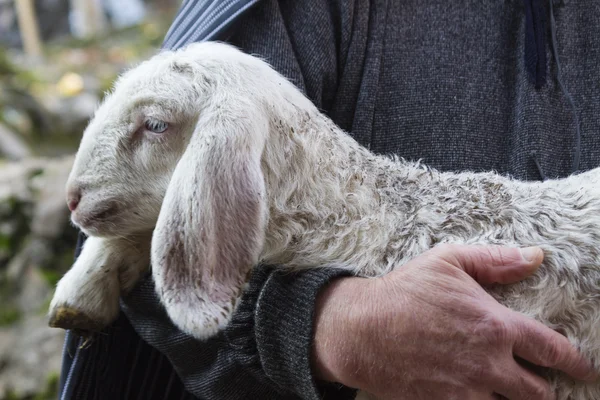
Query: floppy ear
(211, 226)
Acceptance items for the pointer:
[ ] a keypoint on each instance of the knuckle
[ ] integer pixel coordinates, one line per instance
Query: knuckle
(452, 254)
(537, 391)
(447, 248)
(442, 254)
(443, 250)
(552, 355)
(495, 330)
(479, 372)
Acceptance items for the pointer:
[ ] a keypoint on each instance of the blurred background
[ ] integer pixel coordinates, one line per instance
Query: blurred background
(57, 59)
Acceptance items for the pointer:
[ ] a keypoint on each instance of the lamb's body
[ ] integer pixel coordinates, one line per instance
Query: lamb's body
(370, 214)
(329, 202)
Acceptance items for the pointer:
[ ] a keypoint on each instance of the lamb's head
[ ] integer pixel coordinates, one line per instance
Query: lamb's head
(132, 145)
(176, 149)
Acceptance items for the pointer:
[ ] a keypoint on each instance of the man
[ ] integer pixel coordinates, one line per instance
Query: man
(462, 85)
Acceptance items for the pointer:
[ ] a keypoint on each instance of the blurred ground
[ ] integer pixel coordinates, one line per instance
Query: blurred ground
(44, 106)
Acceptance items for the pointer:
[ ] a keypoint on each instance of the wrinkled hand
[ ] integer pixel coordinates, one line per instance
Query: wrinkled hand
(429, 330)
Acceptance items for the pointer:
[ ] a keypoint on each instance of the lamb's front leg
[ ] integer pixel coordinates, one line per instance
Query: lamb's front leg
(87, 297)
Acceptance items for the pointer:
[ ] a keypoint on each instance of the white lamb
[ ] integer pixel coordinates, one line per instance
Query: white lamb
(206, 161)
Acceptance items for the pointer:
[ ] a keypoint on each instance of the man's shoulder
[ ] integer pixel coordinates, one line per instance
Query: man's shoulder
(200, 20)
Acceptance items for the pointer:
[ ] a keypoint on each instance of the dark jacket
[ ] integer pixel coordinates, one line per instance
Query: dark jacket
(461, 85)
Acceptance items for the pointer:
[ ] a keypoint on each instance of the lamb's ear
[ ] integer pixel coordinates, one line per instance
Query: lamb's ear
(211, 226)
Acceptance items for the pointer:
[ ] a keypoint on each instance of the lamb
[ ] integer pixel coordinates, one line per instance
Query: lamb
(205, 161)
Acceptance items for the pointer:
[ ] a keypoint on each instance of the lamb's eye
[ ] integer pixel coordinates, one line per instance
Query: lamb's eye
(156, 125)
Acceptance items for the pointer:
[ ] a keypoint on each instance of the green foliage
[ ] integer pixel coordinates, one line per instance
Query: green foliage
(10, 395)
(35, 172)
(5, 247)
(15, 96)
(49, 393)
(51, 276)
(14, 226)
(9, 314)
(51, 389)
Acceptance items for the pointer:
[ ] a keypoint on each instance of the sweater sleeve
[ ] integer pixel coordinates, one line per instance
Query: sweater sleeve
(266, 347)
(263, 353)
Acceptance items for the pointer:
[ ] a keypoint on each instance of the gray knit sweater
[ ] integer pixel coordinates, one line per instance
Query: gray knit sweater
(450, 82)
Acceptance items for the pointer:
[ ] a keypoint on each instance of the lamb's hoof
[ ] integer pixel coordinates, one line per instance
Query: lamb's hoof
(66, 317)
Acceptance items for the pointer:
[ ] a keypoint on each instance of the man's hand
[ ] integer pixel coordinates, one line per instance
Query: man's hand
(429, 331)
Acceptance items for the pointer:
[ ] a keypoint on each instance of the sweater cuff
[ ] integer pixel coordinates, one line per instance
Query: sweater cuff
(284, 329)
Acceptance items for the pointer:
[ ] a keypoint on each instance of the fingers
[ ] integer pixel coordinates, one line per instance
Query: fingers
(542, 346)
(520, 384)
(492, 264)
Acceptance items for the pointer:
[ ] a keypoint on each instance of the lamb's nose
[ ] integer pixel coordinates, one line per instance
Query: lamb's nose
(73, 198)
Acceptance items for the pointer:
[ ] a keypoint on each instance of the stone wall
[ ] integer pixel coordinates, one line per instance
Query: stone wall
(36, 247)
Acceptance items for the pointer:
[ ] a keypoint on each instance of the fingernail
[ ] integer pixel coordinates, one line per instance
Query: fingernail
(530, 254)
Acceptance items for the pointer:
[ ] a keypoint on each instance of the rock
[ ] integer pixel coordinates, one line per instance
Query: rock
(83, 106)
(50, 213)
(30, 352)
(34, 221)
(74, 111)
(14, 225)
(34, 218)
(34, 291)
(11, 146)
(16, 119)
(17, 266)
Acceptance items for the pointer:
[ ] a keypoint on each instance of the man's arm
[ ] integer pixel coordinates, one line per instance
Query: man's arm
(428, 330)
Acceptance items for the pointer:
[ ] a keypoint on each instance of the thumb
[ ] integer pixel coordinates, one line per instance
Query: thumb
(492, 264)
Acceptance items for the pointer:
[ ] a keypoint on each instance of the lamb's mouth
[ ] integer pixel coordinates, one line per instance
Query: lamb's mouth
(102, 214)
(93, 219)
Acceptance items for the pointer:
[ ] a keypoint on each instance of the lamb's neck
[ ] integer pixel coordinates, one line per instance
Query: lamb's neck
(318, 180)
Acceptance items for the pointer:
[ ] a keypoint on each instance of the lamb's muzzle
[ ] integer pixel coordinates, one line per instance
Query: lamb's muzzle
(248, 170)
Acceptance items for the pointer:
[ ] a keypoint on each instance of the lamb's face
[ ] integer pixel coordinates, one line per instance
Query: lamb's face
(130, 149)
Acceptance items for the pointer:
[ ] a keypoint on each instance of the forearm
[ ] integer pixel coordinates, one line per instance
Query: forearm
(331, 316)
